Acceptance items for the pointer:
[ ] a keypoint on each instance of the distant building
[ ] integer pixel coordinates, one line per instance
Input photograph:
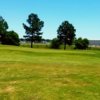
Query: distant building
(94, 42)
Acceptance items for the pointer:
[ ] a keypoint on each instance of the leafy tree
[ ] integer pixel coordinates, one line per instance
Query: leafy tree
(11, 38)
(34, 28)
(55, 43)
(81, 43)
(3, 28)
(66, 33)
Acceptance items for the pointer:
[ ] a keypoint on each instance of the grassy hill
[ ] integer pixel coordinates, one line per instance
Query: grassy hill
(44, 74)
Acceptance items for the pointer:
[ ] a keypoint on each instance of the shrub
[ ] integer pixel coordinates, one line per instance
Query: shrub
(55, 43)
(81, 43)
(11, 38)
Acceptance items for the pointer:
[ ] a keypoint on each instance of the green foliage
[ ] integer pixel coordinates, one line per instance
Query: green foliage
(3, 28)
(11, 38)
(66, 33)
(81, 43)
(55, 43)
(34, 28)
(8, 38)
(3, 25)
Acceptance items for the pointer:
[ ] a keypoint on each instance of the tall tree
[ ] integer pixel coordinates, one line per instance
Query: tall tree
(66, 33)
(3, 28)
(34, 27)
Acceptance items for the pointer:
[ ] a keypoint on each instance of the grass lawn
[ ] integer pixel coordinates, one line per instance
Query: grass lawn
(44, 74)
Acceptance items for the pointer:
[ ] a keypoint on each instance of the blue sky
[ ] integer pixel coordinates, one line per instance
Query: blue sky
(83, 14)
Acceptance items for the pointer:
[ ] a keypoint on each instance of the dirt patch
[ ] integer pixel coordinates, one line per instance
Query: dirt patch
(8, 89)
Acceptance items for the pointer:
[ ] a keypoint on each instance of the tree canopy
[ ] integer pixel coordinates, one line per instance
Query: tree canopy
(66, 33)
(7, 37)
(3, 28)
(34, 27)
(3, 25)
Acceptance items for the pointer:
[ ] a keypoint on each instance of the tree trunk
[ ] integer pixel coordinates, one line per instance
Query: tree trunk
(31, 44)
(32, 41)
(65, 46)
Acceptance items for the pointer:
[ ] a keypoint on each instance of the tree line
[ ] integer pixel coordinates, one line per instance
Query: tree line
(65, 34)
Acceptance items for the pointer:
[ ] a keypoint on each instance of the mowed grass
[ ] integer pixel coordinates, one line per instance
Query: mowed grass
(44, 74)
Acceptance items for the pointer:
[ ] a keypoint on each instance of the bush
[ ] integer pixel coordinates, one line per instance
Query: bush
(55, 43)
(11, 38)
(81, 43)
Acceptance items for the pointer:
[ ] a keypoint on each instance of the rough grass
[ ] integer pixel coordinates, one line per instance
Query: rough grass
(44, 74)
